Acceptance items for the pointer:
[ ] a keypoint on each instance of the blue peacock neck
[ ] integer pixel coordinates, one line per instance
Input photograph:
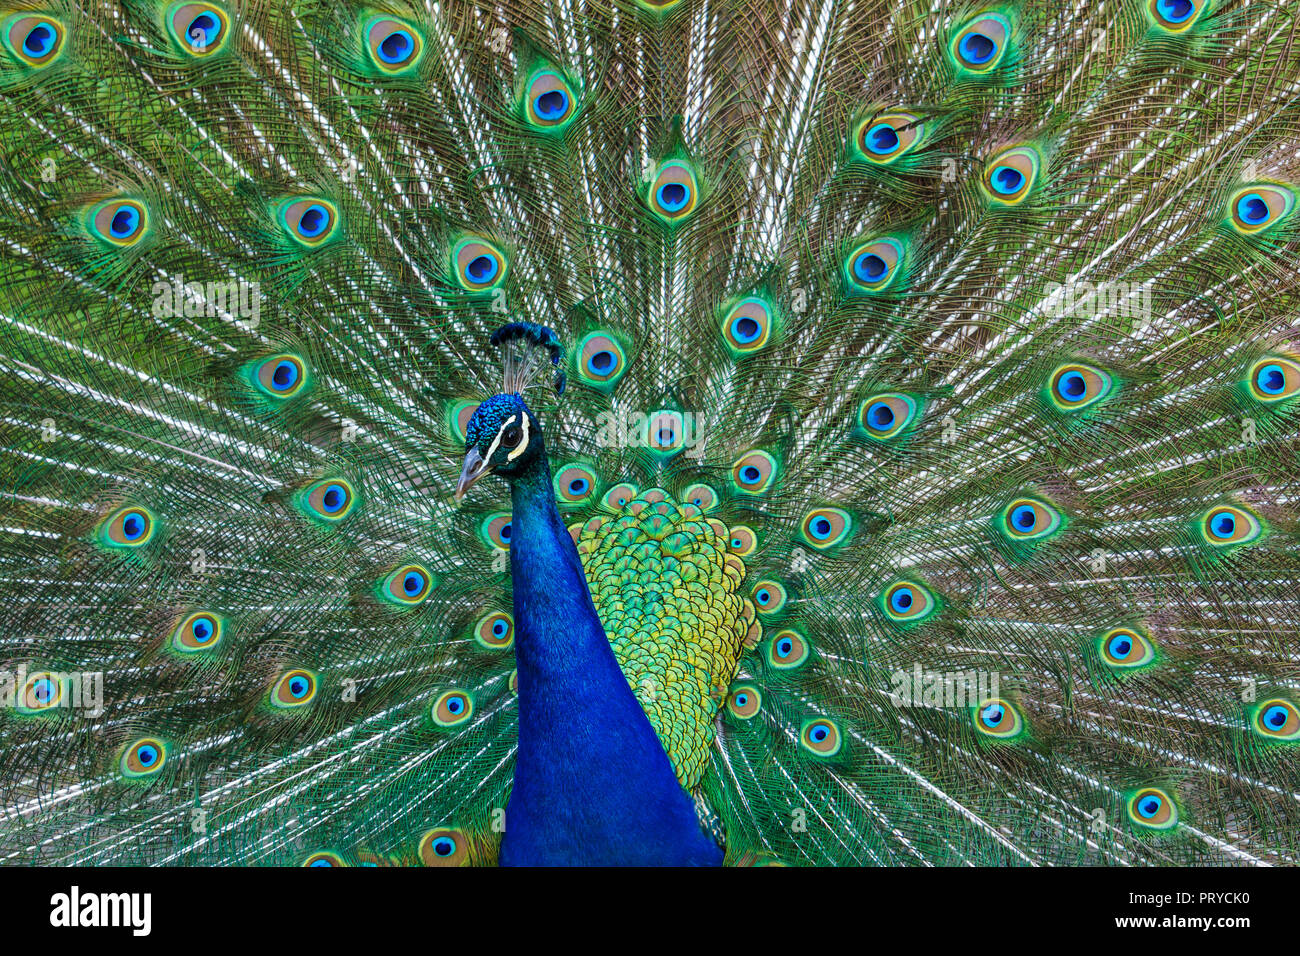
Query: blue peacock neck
(592, 783)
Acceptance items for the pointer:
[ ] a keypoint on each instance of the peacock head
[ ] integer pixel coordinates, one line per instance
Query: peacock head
(502, 436)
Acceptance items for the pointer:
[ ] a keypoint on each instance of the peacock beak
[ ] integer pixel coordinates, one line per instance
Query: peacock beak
(475, 468)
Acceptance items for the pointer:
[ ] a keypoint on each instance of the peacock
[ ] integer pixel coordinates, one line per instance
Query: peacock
(631, 432)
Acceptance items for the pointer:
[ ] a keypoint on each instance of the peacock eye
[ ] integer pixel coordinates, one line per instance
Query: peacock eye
(511, 436)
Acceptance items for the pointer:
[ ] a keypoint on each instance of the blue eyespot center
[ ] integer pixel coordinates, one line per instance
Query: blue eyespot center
(992, 715)
(882, 139)
(820, 733)
(43, 690)
(499, 628)
(750, 474)
(602, 362)
(124, 222)
(203, 30)
(763, 596)
(285, 375)
(578, 486)
(298, 686)
(1252, 209)
(313, 221)
(201, 629)
(1149, 806)
(881, 415)
(1072, 385)
(481, 269)
(1120, 647)
(551, 105)
(39, 40)
(1007, 180)
(444, 846)
(147, 756)
(1275, 716)
(821, 528)
(413, 583)
(745, 329)
(742, 700)
(869, 267)
(396, 47)
(1175, 11)
(133, 526)
(1223, 524)
(672, 196)
(1024, 518)
(455, 705)
(505, 532)
(785, 647)
(977, 48)
(334, 498)
(1270, 379)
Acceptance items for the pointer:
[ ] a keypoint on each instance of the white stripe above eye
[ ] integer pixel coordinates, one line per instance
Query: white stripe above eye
(523, 442)
(492, 449)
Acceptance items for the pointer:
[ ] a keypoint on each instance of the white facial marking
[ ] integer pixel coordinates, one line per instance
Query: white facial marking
(496, 442)
(523, 443)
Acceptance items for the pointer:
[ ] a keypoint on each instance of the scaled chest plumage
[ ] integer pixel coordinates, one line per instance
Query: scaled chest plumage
(669, 588)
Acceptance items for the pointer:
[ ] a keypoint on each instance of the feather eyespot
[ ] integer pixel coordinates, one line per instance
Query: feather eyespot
(478, 265)
(744, 701)
(445, 846)
(601, 360)
(1030, 519)
(787, 650)
(1126, 648)
(754, 472)
(200, 631)
(981, 44)
(887, 416)
(742, 541)
(673, 192)
(458, 415)
(874, 266)
(394, 45)
(701, 496)
(128, 528)
(1277, 719)
(998, 718)
(1228, 526)
(888, 137)
(769, 597)
(452, 707)
(310, 222)
(1175, 16)
(747, 325)
(1011, 175)
(119, 222)
(295, 688)
(666, 432)
(324, 858)
(33, 39)
(407, 586)
(42, 691)
(1256, 208)
(495, 631)
(620, 496)
(1076, 386)
(198, 29)
(1274, 379)
(821, 737)
(495, 530)
(143, 758)
(575, 484)
(908, 602)
(549, 101)
(1152, 809)
(824, 528)
(281, 376)
(329, 500)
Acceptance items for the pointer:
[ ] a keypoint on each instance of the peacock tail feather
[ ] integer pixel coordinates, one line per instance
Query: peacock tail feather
(931, 383)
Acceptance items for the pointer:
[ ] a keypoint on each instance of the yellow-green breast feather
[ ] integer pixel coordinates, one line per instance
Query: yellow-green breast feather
(670, 595)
